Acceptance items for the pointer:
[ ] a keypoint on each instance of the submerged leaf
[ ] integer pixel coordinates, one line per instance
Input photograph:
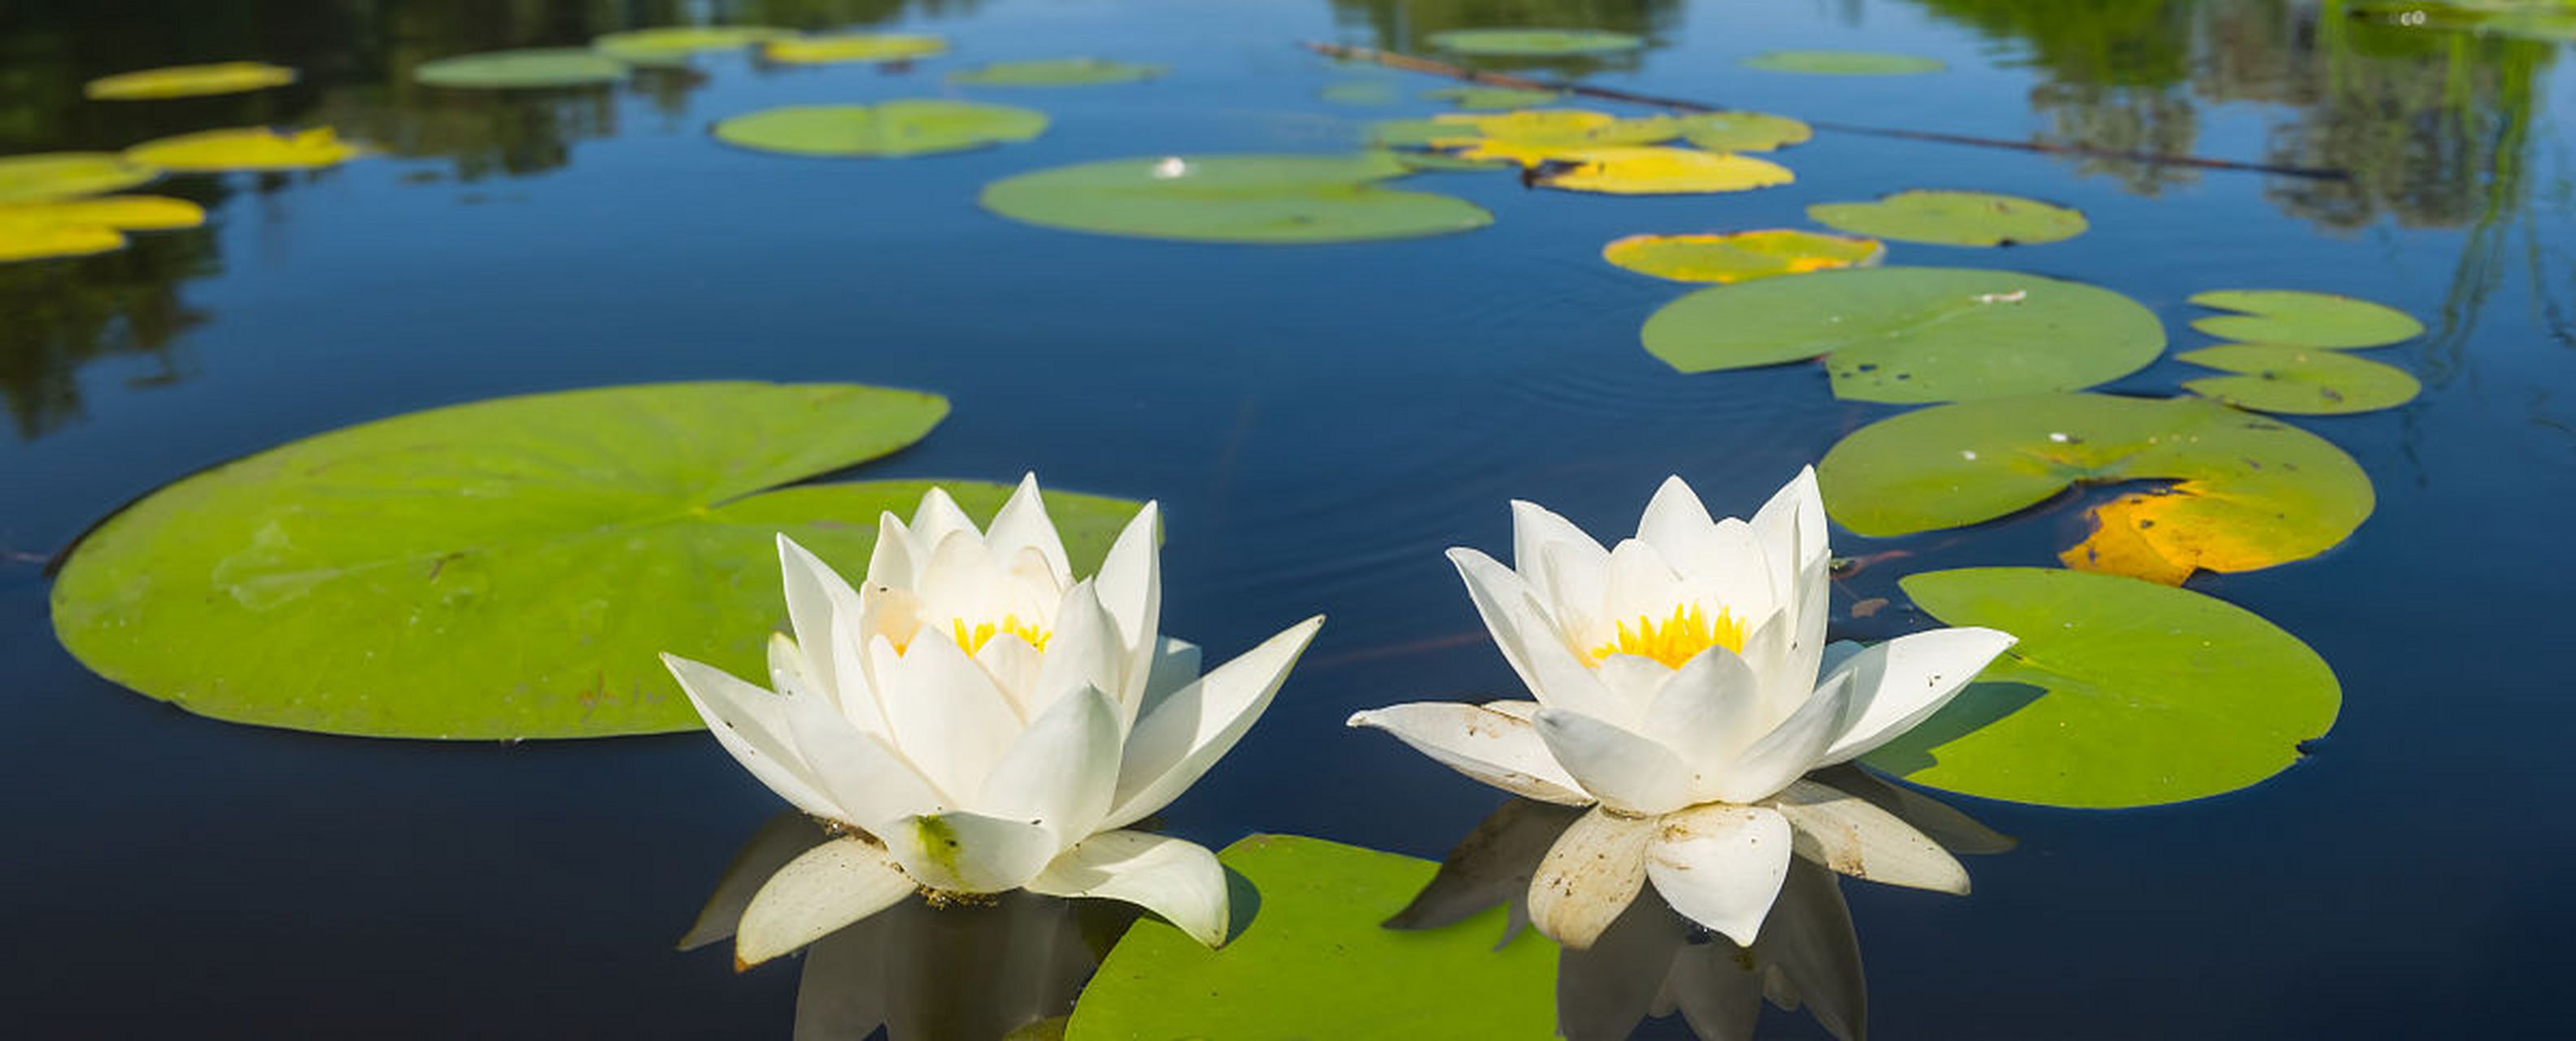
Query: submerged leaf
(1911, 334)
(188, 81)
(1744, 131)
(246, 148)
(2289, 316)
(872, 47)
(500, 569)
(2248, 492)
(1660, 171)
(672, 45)
(1740, 256)
(1055, 72)
(53, 176)
(1233, 198)
(2120, 693)
(1953, 219)
(1842, 63)
(529, 69)
(915, 126)
(1534, 43)
(2299, 380)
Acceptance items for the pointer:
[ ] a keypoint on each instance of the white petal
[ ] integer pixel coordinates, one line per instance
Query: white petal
(1534, 529)
(781, 839)
(1061, 773)
(1721, 865)
(1022, 523)
(1084, 651)
(1633, 682)
(1183, 737)
(1707, 713)
(1627, 772)
(1488, 746)
(1640, 585)
(1791, 749)
(1766, 651)
(1807, 632)
(1529, 638)
(1902, 682)
(870, 782)
(939, 517)
(814, 594)
(1674, 519)
(963, 582)
(1849, 835)
(855, 692)
(751, 723)
(1130, 586)
(891, 565)
(1014, 664)
(1178, 880)
(830, 886)
(1589, 876)
(1724, 567)
(945, 714)
(1792, 524)
(970, 852)
(1175, 665)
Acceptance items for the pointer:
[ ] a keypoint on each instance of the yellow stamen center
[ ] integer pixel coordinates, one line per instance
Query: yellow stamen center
(1675, 640)
(972, 639)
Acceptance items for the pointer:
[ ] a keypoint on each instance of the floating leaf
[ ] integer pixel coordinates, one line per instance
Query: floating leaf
(188, 81)
(1740, 256)
(1314, 963)
(1953, 219)
(1233, 198)
(501, 569)
(1744, 131)
(1486, 99)
(1659, 171)
(247, 148)
(50, 176)
(2289, 316)
(1909, 335)
(79, 227)
(1534, 43)
(2299, 380)
(1436, 162)
(891, 129)
(672, 45)
(533, 68)
(1055, 72)
(1532, 136)
(2120, 693)
(1361, 93)
(2249, 491)
(876, 47)
(1842, 63)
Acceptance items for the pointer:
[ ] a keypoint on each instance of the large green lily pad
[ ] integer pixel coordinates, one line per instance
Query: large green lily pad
(1314, 963)
(55, 176)
(1953, 219)
(672, 45)
(889, 129)
(2249, 492)
(1744, 131)
(1055, 72)
(501, 569)
(1912, 334)
(2120, 693)
(2303, 319)
(529, 69)
(2310, 381)
(1843, 63)
(1234, 198)
(1534, 43)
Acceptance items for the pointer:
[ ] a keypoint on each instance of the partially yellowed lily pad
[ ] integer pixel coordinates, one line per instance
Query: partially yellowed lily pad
(246, 148)
(1529, 135)
(188, 81)
(80, 227)
(50, 176)
(833, 50)
(1742, 255)
(1660, 171)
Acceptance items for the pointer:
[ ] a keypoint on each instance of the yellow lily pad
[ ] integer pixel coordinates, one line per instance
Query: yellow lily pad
(1742, 255)
(50, 176)
(1529, 136)
(1661, 171)
(80, 227)
(829, 50)
(188, 81)
(246, 148)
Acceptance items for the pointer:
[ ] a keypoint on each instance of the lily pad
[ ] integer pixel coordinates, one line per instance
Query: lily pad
(1953, 219)
(870, 47)
(1908, 335)
(1744, 131)
(501, 569)
(1055, 72)
(1536, 135)
(1314, 962)
(891, 129)
(188, 81)
(2248, 492)
(2121, 693)
(2310, 381)
(1361, 93)
(1493, 99)
(1534, 43)
(1234, 198)
(1843, 63)
(2289, 316)
(1740, 256)
(53, 176)
(530, 69)
(1659, 171)
(246, 148)
(80, 227)
(672, 45)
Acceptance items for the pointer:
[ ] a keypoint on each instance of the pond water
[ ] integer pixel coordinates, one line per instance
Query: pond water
(1318, 423)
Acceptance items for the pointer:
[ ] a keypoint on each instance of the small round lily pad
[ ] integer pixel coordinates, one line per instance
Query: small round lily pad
(1055, 72)
(189, 81)
(535, 68)
(1843, 63)
(1740, 256)
(2304, 319)
(892, 129)
(51, 176)
(1744, 131)
(1953, 219)
(1534, 43)
(2310, 381)
(1234, 198)
(672, 45)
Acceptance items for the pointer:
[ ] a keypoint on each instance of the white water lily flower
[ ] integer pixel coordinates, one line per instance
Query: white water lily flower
(983, 722)
(1678, 695)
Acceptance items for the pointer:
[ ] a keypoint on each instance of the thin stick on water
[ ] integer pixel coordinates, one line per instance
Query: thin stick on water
(1415, 63)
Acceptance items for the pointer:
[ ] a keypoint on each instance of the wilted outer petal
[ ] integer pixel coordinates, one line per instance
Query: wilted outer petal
(1938, 821)
(1022, 523)
(1627, 772)
(1486, 745)
(1589, 876)
(1853, 837)
(751, 723)
(779, 841)
(1188, 732)
(1062, 772)
(830, 886)
(1791, 749)
(970, 852)
(945, 714)
(1902, 682)
(1529, 638)
(1720, 865)
(1178, 880)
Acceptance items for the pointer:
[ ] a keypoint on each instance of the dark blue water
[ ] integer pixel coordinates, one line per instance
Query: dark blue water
(1319, 423)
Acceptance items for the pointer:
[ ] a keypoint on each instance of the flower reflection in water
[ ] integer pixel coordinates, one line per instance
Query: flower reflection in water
(1652, 962)
(1003, 969)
